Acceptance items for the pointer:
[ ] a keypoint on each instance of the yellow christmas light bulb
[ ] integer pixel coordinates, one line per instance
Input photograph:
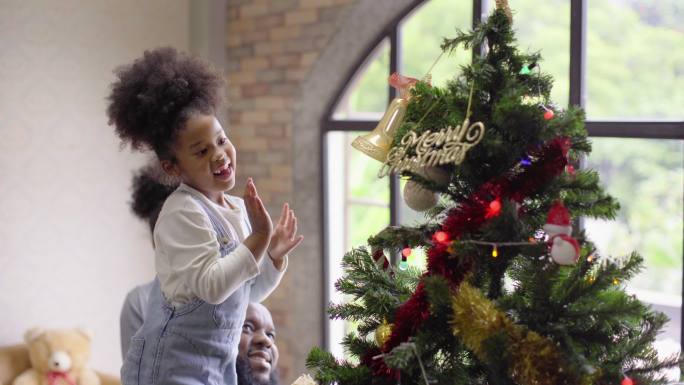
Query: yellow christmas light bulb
(616, 281)
(495, 252)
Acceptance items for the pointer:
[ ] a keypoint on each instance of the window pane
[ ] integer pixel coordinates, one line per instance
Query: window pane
(422, 33)
(365, 221)
(635, 59)
(547, 29)
(366, 95)
(363, 183)
(647, 178)
(357, 204)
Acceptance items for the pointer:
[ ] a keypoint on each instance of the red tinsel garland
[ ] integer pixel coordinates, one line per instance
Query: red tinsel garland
(470, 214)
(468, 217)
(377, 366)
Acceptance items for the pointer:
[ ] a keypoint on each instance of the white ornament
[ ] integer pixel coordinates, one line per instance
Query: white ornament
(556, 229)
(418, 197)
(564, 249)
(436, 174)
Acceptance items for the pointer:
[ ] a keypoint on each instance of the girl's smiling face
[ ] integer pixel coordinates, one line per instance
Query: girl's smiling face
(204, 157)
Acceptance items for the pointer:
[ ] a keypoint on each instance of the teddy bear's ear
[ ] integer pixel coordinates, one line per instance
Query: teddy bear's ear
(85, 332)
(32, 334)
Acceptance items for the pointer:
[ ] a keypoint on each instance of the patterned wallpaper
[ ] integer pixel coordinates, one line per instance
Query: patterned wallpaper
(69, 247)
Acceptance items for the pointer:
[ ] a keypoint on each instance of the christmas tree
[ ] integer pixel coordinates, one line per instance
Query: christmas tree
(512, 294)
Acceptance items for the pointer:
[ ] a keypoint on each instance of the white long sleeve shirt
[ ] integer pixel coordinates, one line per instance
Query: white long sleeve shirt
(187, 255)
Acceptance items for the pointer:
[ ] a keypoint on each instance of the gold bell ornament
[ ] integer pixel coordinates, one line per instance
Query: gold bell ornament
(377, 143)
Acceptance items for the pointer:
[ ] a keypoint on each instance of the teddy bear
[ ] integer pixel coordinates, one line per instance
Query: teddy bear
(58, 357)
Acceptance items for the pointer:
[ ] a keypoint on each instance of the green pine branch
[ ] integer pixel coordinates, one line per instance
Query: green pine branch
(327, 371)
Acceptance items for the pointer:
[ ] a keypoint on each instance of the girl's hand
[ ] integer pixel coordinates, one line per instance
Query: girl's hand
(258, 216)
(283, 239)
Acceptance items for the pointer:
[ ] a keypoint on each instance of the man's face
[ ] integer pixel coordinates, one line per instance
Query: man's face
(257, 342)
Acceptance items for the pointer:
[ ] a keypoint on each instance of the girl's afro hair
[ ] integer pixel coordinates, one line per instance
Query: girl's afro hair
(154, 96)
(150, 190)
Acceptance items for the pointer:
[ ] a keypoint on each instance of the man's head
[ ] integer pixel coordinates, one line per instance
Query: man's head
(257, 353)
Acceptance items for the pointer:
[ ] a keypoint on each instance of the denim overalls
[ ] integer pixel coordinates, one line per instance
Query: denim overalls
(195, 343)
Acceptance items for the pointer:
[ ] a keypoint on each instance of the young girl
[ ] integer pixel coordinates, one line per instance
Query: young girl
(214, 253)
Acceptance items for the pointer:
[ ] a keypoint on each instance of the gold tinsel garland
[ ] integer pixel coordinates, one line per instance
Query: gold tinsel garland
(532, 359)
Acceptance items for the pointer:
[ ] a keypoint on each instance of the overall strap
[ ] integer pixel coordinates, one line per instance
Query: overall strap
(226, 241)
(215, 222)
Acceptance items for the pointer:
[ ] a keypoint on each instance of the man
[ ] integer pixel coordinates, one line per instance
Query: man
(257, 359)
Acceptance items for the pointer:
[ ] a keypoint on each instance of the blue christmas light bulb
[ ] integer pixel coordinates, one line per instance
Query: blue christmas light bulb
(403, 265)
(525, 161)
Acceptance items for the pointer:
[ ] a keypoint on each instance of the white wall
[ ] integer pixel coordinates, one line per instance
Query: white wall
(69, 247)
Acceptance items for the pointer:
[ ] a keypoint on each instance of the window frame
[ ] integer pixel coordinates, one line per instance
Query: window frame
(634, 129)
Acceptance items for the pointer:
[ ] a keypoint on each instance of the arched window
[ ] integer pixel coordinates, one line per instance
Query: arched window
(617, 59)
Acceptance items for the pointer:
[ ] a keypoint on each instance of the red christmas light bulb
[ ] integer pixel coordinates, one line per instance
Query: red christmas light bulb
(406, 252)
(627, 381)
(494, 208)
(441, 237)
(548, 115)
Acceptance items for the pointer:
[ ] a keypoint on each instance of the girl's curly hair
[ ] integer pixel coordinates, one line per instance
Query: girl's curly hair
(150, 190)
(154, 96)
